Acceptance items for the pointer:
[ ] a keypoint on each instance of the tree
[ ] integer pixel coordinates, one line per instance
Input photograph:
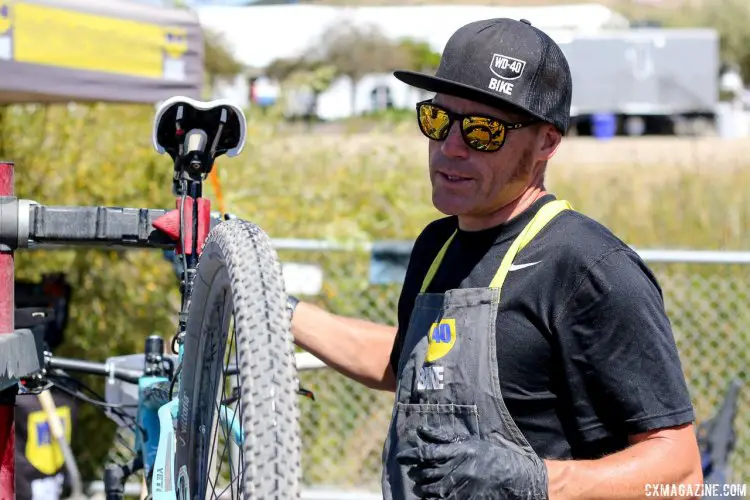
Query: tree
(352, 51)
(281, 69)
(729, 20)
(420, 55)
(218, 60)
(357, 50)
(303, 73)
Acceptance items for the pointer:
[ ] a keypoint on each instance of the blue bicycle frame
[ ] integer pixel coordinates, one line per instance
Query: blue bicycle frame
(157, 420)
(155, 437)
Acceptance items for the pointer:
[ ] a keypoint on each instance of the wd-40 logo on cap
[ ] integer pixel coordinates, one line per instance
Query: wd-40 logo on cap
(441, 339)
(507, 68)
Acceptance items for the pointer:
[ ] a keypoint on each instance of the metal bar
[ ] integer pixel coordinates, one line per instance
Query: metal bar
(133, 489)
(7, 397)
(694, 256)
(306, 361)
(93, 368)
(319, 493)
(403, 247)
(96, 226)
(317, 245)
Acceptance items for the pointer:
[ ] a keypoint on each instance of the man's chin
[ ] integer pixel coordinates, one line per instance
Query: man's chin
(448, 206)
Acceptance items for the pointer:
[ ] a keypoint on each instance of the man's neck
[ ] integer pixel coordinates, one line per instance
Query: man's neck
(505, 213)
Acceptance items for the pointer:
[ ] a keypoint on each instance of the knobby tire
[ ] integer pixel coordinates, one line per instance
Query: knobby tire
(239, 272)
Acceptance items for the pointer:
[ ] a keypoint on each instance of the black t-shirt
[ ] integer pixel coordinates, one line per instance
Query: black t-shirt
(585, 350)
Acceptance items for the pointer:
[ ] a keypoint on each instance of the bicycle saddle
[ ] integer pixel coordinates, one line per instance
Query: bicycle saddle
(183, 125)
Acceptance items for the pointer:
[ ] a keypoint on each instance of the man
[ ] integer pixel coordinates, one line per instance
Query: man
(533, 357)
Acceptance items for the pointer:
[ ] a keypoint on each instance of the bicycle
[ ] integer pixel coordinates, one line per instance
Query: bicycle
(229, 271)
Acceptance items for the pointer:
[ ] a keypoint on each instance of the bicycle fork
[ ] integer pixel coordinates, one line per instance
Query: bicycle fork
(163, 482)
(166, 482)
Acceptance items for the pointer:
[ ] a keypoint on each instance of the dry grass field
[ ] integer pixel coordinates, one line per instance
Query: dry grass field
(654, 191)
(579, 152)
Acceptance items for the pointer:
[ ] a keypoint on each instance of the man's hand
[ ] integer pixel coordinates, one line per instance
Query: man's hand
(448, 467)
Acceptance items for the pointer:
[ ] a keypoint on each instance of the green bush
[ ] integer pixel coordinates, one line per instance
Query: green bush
(95, 155)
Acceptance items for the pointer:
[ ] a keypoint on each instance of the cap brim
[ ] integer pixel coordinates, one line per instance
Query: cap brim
(442, 86)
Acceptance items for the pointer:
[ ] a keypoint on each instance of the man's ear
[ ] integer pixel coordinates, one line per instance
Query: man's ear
(548, 140)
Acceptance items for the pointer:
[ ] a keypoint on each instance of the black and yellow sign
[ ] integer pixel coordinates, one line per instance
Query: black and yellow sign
(135, 52)
(68, 39)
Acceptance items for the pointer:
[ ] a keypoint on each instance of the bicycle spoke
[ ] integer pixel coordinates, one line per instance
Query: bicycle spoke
(225, 431)
(235, 448)
(238, 446)
(236, 470)
(216, 424)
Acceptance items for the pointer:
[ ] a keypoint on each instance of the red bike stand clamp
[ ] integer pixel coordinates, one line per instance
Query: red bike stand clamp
(169, 224)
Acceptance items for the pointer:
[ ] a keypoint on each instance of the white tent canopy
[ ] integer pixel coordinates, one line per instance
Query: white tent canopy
(260, 34)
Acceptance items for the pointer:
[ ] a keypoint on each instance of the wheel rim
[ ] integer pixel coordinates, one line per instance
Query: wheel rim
(220, 463)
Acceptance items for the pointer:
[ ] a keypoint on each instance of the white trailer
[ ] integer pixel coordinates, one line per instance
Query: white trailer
(654, 80)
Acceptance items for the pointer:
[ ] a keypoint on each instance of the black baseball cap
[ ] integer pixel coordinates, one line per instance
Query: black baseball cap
(503, 63)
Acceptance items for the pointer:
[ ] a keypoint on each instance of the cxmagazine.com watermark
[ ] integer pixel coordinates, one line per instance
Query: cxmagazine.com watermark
(699, 490)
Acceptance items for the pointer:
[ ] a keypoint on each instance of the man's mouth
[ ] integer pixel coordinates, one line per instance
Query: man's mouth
(453, 178)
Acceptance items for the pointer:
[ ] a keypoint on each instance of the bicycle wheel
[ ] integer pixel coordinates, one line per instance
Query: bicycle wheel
(238, 277)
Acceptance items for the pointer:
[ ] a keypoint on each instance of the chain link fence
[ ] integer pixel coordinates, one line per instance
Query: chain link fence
(707, 299)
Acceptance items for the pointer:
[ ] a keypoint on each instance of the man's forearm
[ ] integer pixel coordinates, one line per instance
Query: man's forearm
(356, 348)
(627, 474)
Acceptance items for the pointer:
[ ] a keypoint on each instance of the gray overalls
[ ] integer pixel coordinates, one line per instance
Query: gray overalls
(448, 374)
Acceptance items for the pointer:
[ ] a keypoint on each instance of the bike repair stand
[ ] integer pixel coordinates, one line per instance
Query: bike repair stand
(20, 351)
(193, 161)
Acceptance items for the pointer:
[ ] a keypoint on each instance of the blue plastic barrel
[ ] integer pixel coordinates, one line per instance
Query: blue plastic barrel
(603, 125)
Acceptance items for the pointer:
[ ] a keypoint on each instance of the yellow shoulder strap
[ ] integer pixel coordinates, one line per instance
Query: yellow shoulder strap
(545, 214)
(436, 264)
(542, 217)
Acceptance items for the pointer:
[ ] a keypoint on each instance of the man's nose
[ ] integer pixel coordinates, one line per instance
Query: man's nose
(454, 146)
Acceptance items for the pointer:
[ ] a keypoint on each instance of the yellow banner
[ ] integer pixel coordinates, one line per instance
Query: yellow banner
(74, 40)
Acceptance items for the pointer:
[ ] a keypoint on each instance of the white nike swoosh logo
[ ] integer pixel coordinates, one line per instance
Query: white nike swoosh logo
(515, 267)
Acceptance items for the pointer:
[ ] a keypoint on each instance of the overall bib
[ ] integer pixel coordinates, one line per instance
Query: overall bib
(448, 374)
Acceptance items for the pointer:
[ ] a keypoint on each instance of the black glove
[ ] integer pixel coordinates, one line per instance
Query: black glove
(449, 467)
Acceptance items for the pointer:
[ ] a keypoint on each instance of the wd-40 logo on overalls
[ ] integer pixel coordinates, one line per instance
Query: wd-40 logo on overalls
(440, 341)
(42, 451)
